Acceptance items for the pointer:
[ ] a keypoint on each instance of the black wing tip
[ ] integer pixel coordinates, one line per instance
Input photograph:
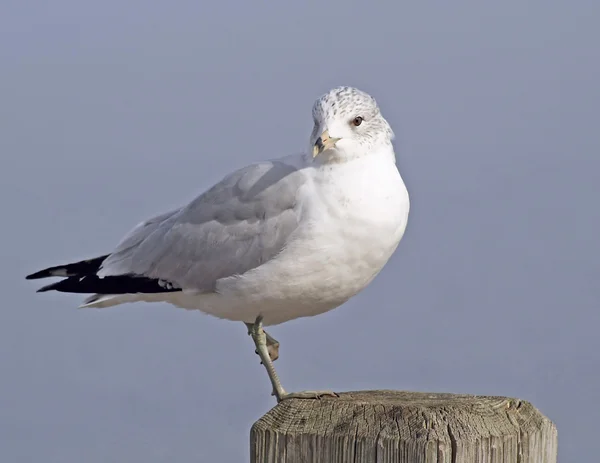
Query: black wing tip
(50, 287)
(81, 277)
(62, 285)
(116, 284)
(81, 268)
(43, 289)
(38, 275)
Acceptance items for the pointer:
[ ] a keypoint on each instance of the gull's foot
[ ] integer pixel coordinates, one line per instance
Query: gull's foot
(272, 343)
(306, 395)
(272, 347)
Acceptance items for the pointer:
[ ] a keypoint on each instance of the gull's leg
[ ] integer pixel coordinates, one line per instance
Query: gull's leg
(260, 341)
(272, 343)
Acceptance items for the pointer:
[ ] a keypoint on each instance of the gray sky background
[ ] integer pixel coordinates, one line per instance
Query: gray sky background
(113, 111)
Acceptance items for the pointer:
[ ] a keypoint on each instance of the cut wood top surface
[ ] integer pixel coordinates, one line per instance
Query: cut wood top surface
(405, 426)
(409, 412)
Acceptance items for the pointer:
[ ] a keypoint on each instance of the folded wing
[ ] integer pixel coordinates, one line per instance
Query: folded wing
(240, 223)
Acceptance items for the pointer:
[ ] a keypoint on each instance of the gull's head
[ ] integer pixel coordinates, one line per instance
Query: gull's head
(348, 124)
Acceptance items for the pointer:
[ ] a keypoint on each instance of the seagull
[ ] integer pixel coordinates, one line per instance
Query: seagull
(291, 237)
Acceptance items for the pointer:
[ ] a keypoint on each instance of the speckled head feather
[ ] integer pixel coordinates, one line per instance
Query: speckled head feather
(345, 101)
(335, 111)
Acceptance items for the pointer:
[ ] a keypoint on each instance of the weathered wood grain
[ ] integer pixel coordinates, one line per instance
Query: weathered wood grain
(404, 427)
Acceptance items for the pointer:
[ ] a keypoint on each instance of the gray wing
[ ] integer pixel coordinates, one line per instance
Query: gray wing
(240, 223)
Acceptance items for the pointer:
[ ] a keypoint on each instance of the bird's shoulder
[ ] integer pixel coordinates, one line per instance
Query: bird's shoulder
(271, 184)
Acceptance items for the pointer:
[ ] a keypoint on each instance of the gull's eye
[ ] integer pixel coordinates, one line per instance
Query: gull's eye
(357, 121)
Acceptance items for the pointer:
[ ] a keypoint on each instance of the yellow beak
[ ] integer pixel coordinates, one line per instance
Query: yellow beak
(324, 142)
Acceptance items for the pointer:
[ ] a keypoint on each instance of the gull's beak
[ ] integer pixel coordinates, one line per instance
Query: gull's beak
(324, 142)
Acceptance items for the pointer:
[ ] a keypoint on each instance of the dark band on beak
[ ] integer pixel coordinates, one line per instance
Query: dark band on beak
(324, 142)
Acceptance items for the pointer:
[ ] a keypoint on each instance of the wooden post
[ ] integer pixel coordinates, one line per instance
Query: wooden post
(404, 427)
